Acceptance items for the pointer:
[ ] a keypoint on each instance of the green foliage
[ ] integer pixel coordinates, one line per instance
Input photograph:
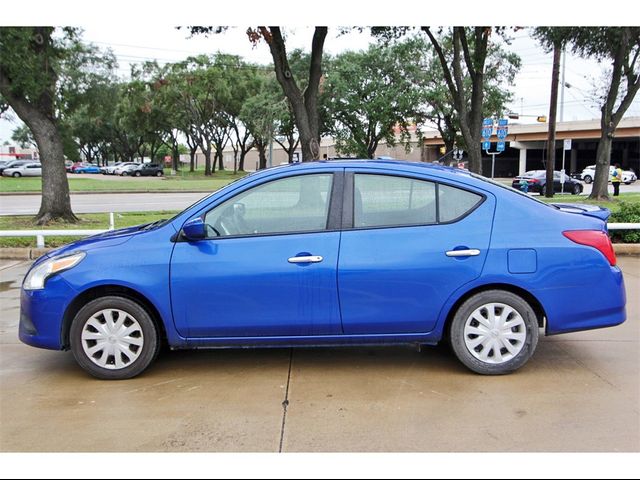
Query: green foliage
(628, 213)
(23, 137)
(368, 93)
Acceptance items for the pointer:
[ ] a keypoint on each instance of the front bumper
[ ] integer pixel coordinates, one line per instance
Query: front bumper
(42, 313)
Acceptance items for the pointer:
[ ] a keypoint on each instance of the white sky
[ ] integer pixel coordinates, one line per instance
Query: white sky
(151, 38)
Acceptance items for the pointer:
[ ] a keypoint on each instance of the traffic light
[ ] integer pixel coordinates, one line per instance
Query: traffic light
(443, 150)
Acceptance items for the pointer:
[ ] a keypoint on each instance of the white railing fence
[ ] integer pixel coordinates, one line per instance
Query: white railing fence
(42, 234)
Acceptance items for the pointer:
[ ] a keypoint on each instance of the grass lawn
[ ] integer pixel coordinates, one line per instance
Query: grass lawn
(189, 181)
(88, 221)
(613, 204)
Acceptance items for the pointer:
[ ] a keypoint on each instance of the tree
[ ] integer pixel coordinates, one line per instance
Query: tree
(470, 48)
(500, 71)
(374, 94)
(303, 103)
(30, 68)
(22, 136)
(621, 47)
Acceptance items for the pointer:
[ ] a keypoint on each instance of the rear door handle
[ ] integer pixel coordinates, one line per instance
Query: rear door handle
(473, 252)
(306, 259)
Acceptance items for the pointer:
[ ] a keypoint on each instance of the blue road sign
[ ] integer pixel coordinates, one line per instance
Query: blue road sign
(503, 122)
(487, 122)
(501, 132)
(486, 145)
(500, 146)
(486, 132)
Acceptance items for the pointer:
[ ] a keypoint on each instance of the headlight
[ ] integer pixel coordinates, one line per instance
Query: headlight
(37, 277)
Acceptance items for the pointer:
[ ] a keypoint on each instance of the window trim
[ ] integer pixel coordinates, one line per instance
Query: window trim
(349, 202)
(334, 212)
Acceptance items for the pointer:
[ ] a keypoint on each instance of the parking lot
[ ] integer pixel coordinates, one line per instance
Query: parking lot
(580, 392)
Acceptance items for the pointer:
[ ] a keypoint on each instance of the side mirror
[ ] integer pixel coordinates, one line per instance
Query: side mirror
(194, 229)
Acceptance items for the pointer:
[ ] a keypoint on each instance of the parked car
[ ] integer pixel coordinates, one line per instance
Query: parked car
(537, 183)
(13, 164)
(86, 168)
(111, 169)
(126, 169)
(67, 165)
(332, 253)
(29, 169)
(589, 173)
(148, 170)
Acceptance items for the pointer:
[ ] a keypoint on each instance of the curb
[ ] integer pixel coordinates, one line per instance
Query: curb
(26, 253)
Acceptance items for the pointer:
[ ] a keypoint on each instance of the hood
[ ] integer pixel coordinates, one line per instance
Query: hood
(583, 209)
(105, 239)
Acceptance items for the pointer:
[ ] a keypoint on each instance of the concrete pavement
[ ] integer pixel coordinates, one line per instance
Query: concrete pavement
(580, 392)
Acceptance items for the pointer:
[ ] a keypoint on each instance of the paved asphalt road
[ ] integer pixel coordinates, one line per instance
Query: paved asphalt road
(103, 202)
(580, 392)
(141, 202)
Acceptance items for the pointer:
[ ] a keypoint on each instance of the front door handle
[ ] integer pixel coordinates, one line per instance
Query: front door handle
(306, 259)
(472, 252)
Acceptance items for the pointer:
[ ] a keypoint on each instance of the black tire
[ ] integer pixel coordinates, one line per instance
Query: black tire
(150, 334)
(159, 173)
(16, 175)
(137, 174)
(577, 189)
(587, 179)
(543, 191)
(464, 312)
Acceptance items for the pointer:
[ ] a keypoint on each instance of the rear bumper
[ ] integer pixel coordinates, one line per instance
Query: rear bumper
(595, 304)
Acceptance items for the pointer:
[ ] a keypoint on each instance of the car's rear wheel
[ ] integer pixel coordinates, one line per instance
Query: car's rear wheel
(587, 179)
(494, 332)
(543, 190)
(159, 173)
(114, 338)
(577, 189)
(137, 174)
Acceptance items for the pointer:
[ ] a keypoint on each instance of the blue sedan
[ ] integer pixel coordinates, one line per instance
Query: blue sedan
(332, 253)
(87, 169)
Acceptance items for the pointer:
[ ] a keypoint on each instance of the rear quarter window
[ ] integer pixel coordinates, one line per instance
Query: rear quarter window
(455, 202)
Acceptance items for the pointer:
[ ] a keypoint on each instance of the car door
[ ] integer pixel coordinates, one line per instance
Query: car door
(33, 170)
(268, 266)
(412, 243)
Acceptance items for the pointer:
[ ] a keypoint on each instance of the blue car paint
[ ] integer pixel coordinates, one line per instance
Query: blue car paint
(574, 284)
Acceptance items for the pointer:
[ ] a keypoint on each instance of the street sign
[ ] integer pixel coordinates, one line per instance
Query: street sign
(486, 132)
(500, 146)
(486, 145)
(503, 122)
(501, 132)
(567, 144)
(563, 176)
(487, 122)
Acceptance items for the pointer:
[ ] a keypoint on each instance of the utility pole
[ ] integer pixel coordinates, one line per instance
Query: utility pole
(551, 143)
(564, 69)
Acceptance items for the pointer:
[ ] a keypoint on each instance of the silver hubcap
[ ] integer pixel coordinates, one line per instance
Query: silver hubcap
(112, 339)
(495, 333)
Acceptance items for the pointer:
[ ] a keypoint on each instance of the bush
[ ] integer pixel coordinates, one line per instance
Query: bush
(628, 213)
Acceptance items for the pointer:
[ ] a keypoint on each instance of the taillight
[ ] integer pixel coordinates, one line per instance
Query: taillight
(596, 239)
(534, 180)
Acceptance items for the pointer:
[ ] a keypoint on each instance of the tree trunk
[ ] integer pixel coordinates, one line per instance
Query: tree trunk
(262, 154)
(551, 142)
(220, 159)
(603, 159)
(207, 161)
(55, 203)
(304, 106)
(243, 154)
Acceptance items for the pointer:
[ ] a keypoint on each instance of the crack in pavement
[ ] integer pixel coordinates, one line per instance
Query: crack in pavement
(285, 403)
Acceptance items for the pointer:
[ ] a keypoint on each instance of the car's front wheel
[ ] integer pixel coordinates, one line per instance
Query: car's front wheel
(16, 174)
(114, 338)
(577, 189)
(587, 179)
(494, 332)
